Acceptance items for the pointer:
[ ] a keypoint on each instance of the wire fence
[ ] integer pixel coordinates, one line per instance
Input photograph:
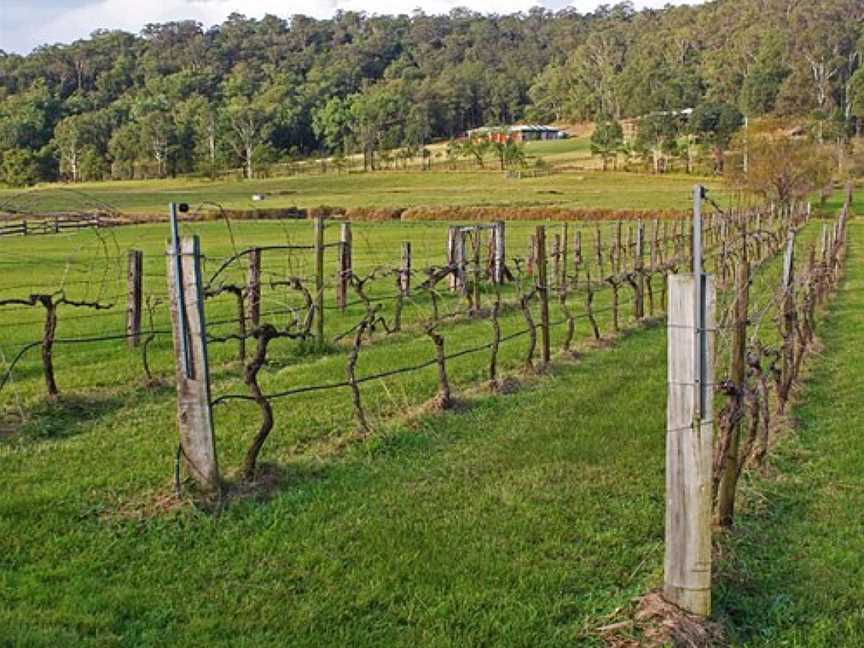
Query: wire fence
(601, 275)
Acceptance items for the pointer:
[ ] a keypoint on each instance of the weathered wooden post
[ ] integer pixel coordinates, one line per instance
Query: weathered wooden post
(543, 291)
(500, 253)
(452, 234)
(598, 244)
(319, 279)
(655, 233)
(194, 413)
(691, 324)
(345, 267)
(405, 269)
(253, 288)
(556, 260)
(562, 280)
(790, 316)
(461, 261)
(638, 267)
(737, 374)
(477, 273)
(577, 257)
(134, 296)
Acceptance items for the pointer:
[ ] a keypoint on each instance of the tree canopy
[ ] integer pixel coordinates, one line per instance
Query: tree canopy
(179, 98)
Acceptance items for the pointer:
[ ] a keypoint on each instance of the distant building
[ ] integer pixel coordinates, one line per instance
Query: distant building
(517, 133)
(630, 126)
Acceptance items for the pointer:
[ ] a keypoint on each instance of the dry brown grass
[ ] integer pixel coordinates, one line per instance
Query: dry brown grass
(463, 213)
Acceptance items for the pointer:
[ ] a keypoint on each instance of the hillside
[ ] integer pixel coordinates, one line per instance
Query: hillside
(179, 99)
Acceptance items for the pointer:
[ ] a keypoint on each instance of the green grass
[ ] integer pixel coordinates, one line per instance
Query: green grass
(509, 523)
(524, 519)
(796, 575)
(381, 189)
(38, 265)
(521, 520)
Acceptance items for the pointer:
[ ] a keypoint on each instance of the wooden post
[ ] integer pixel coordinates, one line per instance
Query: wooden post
(194, 414)
(638, 266)
(598, 243)
(500, 253)
(253, 288)
(476, 279)
(562, 283)
(319, 279)
(737, 374)
(628, 250)
(655, 233)
(405, 269)
(345, 267)
(460, 261)
(687, 565)
(790, 315)
(134, 295)
(577, 257)
(556, 260)
(543, 291)
(452, 233)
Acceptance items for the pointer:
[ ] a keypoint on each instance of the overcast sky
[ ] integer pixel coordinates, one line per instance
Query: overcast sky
(24, 24)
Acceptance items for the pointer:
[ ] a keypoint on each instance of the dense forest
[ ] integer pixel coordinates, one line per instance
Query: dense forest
(177, 98)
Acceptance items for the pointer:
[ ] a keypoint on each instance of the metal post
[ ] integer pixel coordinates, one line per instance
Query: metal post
(183, 320)
(701, 381)
(319, 279)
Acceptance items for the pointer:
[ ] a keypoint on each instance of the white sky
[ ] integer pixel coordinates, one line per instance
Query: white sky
(24, 24)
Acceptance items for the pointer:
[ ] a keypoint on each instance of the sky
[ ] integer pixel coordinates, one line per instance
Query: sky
(25, 24)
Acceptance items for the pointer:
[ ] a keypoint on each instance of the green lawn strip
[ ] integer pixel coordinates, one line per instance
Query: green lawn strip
(523, 520)
(796, 557)
(585, 188)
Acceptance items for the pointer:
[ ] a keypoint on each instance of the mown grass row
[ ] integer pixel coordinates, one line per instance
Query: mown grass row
(524, 519)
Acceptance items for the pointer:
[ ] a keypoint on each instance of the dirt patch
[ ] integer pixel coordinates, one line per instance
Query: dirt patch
(656, 623)
(491, 213)
(508, 385)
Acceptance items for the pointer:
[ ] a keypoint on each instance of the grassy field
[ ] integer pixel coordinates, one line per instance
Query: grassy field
(401, 189)
(797, 555)
(485, 525)
(523, 519)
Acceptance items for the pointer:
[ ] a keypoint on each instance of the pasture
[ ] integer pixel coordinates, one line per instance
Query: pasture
(574, 188)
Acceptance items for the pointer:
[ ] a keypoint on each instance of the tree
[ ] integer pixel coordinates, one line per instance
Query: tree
(77, 133)
(332, 123)
(69, 140)
(715, 125)
(856, 96)
(158, 137)
(19, 167)
(766, 76)
(607, 140)
(780, 168)
(658, 133)
(477, 148)
(26, 118)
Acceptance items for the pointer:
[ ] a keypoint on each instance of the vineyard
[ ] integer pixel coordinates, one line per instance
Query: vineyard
(304, 353)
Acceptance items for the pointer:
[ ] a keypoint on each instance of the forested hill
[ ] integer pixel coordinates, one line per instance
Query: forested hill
(177, 98)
